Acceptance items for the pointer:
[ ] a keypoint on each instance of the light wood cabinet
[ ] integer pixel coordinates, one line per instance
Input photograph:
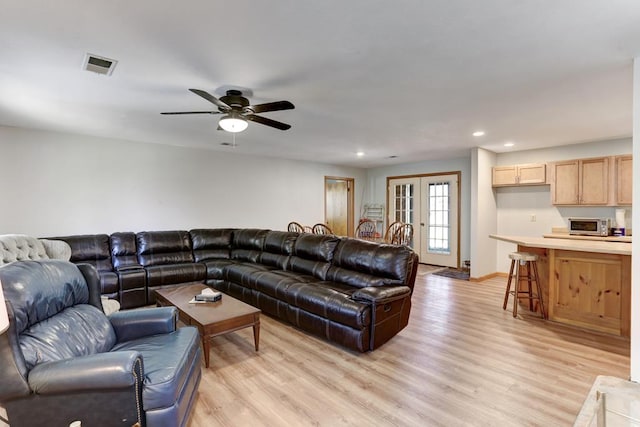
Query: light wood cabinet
(581, 182)
(591, 290)
(527, 174)
(624, 180)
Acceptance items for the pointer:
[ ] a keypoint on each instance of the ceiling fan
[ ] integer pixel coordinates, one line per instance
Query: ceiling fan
(237, 111)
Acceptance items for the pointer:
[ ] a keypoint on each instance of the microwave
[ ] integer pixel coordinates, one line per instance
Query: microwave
(589, 226)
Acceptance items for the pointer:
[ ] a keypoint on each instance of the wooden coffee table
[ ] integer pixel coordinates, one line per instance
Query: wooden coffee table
(212, 318)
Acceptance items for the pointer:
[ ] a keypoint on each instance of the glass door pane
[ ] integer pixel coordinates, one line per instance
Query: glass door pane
(439, 229)
(404, 203)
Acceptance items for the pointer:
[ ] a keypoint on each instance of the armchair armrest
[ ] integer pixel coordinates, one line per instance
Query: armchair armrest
(381, 294)
(97, 372)
(132, 324)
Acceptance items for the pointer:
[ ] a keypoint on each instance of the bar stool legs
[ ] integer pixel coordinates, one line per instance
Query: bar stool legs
(506, 294)
(519, 259)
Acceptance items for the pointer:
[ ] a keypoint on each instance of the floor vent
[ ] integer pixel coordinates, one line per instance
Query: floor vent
(99, 64)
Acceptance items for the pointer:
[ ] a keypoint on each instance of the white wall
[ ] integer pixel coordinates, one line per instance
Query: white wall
(483, 214)
(58, 184)
(517, 204)
(376, 189)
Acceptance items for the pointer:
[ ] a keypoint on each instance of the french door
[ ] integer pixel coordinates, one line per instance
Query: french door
(430, 204)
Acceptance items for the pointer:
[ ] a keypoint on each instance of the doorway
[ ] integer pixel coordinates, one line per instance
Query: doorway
(338, 204)
(431, 204)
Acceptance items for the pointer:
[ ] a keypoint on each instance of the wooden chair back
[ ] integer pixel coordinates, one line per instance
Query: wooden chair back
(391, 230)
(366, 230)
(295, 227)
(321, 229)
(403, 235)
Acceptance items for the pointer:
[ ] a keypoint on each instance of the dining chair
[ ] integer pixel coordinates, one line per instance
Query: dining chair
(403, 235)
(295, 227)
(391, 231)
(366, 230)
(321, 228)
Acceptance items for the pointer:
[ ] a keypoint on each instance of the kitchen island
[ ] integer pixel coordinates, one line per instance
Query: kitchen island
(584, 283)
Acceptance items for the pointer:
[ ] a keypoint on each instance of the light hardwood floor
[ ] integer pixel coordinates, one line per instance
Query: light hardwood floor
(461, 361)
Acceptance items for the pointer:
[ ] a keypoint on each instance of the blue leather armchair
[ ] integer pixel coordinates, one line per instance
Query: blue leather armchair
(63, 359)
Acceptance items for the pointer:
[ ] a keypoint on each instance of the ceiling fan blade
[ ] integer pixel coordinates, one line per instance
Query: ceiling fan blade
(211, 98)
(272, 106)
(191, 112)
(268, 122)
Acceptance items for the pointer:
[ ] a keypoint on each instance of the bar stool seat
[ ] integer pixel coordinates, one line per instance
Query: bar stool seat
(518, 260)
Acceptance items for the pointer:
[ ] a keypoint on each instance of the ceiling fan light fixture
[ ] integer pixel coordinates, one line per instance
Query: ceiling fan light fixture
(233, 123)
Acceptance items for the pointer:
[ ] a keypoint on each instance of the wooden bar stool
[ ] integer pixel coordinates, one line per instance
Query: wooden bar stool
(519, 259)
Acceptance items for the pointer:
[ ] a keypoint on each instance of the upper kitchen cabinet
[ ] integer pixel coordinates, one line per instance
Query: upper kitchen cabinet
(624, 180)
(528, 174)
(581, 182)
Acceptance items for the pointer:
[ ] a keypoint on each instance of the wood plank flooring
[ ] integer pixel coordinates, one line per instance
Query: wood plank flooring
(461, 361)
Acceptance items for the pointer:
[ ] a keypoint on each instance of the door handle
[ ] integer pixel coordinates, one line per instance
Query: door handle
(422, 224)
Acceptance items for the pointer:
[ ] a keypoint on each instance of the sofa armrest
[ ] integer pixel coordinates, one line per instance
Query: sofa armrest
(132, 324)
(381, 294)
(97, 372)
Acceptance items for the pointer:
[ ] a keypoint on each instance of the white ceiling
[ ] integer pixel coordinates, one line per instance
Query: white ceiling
(405, 78)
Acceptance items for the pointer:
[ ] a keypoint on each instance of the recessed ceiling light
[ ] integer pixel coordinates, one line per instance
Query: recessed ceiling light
(508, 144)
(478, 133)
(360, 153)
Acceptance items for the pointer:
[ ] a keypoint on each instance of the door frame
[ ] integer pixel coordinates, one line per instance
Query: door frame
(426, 175)
(350, 199)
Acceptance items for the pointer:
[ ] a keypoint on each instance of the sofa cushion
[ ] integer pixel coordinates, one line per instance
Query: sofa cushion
(211, 243)
(360, 263)
(215, 267)
(163, 247)
(248, 244)
(278, 247)
(312, 254)
(242, 273)
(168, 359)
(91, 249)
(273, 283)
(57, 249)
(124, 251)
(86, 331)
(160, 275)
(20, 247)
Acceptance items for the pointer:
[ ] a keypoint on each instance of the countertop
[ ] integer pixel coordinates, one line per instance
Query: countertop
(625, 239)
(618, 248)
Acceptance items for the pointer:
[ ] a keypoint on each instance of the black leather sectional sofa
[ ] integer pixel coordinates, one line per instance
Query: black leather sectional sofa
(351, 292)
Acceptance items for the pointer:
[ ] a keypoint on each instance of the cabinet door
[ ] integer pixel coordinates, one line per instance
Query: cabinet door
(624, 180)
(504, 175)
(532, 174)
(594, 181)
(591, 290)
(565, 183)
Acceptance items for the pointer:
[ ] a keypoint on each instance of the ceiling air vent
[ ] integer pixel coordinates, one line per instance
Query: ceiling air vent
(99, 64)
